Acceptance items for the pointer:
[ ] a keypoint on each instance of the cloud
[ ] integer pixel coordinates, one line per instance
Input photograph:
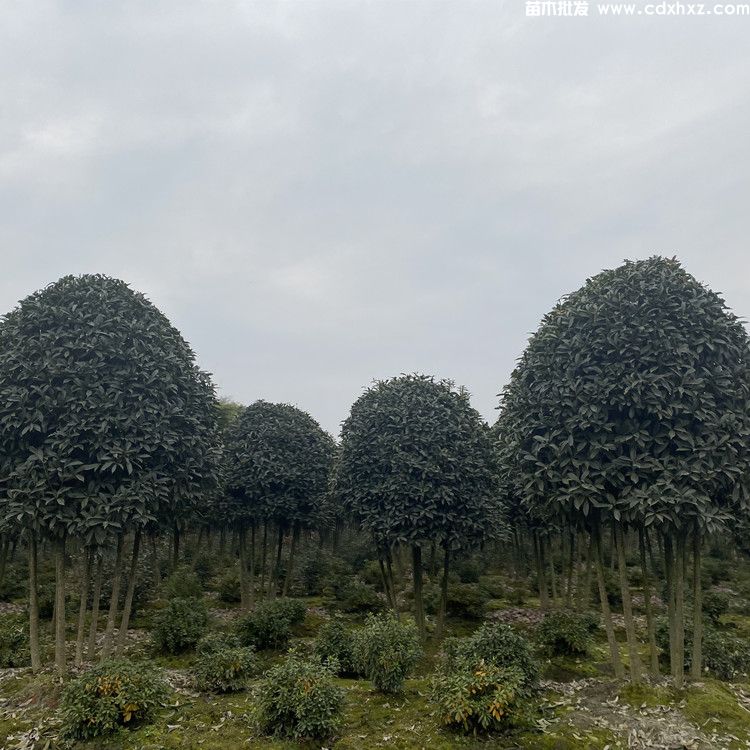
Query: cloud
(322, 193)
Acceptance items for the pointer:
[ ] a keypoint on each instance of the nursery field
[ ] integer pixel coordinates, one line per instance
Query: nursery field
(577, 703)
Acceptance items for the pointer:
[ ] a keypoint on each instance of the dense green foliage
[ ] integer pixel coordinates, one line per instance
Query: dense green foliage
(113, 694)
(565, 633)
(385, 651)
(417, 464)
(298, 698)
(269, 625)
(180, 625)
(105, 420)
(222, 665)
(14, 641)
(334, 646)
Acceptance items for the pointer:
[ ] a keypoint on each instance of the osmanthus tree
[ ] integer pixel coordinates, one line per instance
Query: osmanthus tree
(417, 465)
(277, 467)
(106, 426)
(631, 407)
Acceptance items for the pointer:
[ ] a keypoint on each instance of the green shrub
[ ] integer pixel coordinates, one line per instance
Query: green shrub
(492, 587)
(14, 640)
(477, 697)
(183, 584)
(180, 625)
(715, 571)
(359, 597)
(469, 570)
(715, 604)
(298, 698)
(13, 585)
(269, 625)
(216, 641)
(204, 568)
(334, 647)
(229, 587)
(497, 645)
(113, 694)
(223, 668)
(724, 655)
(385, 650)
(319, 569)
(565, 633)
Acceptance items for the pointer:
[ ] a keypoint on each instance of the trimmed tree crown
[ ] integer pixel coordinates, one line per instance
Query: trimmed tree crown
(417, 464)
(278, 463)
(105, 420)
(631, 401)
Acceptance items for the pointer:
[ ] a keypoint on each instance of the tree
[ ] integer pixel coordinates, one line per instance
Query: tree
(629, 408)
(277, 463)
(417, 465)
(106, 425)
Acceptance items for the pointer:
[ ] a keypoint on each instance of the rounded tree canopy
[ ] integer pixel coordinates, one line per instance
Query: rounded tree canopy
(417, 464)
(105, 420)
(278, 464)
(631, 402)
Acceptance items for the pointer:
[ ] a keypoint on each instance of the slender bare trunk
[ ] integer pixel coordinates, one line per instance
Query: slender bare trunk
(614, 649)
(290, 569)
(391, 581)
(114, 600)
(697, 659)
(36, 660)
(263, 561)
(416, 552)
(627, 607)
(540, 574)
(443, 593)
(85, 578)
(679, 677)
(128, 604)
(650, 625)
(669, 568)
(95, 608)
(244, 587)
(60, 659)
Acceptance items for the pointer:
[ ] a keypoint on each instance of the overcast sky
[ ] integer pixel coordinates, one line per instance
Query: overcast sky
(322, 193)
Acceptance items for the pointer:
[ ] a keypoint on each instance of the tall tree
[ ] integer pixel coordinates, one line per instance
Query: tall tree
(106, 423)
(629, 408)
(417, 465)
(277, 463)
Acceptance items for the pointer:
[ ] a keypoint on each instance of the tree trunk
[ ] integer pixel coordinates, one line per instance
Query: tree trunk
(290, 569)
(95, 608)
(443, 594)
(276, 571)
(552, 575)
(175, 546)
(416, 556)
(36, 660)
(389, 567)
(128, 603)
(386, 583)
(650, 625)
(679, 584)
(540, 574)
(669, 575)
(252, 565)
(60, 660)
(114, 601)
(697, 660)
(4, 548)
(627, 607)
(586, 597)
(244, 588)
(614, 649)
(264, 561)
(85, 578)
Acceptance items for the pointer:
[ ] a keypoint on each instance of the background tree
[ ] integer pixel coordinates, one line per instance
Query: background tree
(629, 409)
(106, 425)
(278, 462)
(417, 465)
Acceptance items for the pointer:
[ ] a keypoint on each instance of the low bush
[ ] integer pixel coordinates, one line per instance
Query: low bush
(14, 640)
(385, 650)
(469, 570)
(477, 697)
(13, 585)
(180, 625)
(298, 698)
(183, 584)
(269, 625)
(334, 647)
(724, 655)
(113, 694)
(204, 568)
(564, 633)
(215, 641)
(229, 587)
(222, 666)
(358, 597)
(319, 569)
(715, 604)
(497, 645)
